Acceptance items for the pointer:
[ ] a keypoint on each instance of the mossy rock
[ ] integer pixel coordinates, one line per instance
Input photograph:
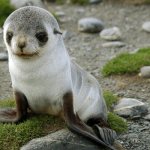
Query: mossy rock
(5, 10)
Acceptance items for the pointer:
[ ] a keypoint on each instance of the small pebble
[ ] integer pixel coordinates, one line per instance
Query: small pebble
(147, 117)
(60, 13)
(90, 25)
(145, 72)
(113, 44)
(111, 34)
(3, 56)
(95, 1)
(146, 26)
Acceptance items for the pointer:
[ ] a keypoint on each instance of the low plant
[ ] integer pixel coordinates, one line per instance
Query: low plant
(5, 10)
(115, 122)
(127, 63)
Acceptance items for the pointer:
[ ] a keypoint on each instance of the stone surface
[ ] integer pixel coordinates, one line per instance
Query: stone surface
(61, 140)
(95, 1)
(113, 44)
(132, 108)
(60, 13)
(3, 56)
(146, 26)
(22, 3)
(111, 34)
(147, 117)
(145, 72)
(90, 25)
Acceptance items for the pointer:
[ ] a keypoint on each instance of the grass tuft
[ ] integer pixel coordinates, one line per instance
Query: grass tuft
(127, 63)
(110, 99)
(117, 123)
(81, 2)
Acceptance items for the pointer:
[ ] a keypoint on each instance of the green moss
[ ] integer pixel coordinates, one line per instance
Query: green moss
(127, 63)
(13, 136)
(110, 99)
(5, 10)
(117, 123)
(7, 103)
(81, 2)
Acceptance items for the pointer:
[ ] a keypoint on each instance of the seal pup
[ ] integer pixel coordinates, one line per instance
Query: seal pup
(46, 81)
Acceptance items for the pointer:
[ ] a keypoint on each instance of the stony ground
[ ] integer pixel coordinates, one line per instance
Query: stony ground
(87, 50)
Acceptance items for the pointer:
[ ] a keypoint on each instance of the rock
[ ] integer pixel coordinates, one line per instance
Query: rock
(147, 117)
(80, 10)
(95, 1)
(90, 25)
(145, 72)
(21, 3)
(61, 140)
(146, 26)
(1, 30)
(111, 34)
(113, 44)
(60, 13)
(132, 108)
(3, 56)
(1, 38)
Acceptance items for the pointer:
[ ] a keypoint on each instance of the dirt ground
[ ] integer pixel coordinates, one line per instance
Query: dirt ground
(87, 50)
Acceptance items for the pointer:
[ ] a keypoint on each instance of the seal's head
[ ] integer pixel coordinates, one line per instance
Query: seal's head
(29, 31)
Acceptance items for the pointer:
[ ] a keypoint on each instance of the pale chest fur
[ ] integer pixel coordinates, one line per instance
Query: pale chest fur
(43, 84)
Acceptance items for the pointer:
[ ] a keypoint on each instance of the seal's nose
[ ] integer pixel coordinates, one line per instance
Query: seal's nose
(21, 43)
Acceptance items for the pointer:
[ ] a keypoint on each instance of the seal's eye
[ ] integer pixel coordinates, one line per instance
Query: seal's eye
(42, 37)
(9, 36)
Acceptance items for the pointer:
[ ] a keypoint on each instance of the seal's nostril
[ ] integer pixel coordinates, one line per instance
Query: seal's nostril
(21, 45)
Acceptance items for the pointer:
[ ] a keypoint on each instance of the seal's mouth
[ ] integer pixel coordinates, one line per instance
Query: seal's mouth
(26, 55)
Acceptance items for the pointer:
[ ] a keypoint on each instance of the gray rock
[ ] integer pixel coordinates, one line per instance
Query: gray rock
(95, 1)
(146, 26)
(132, 108)
(90, 25)
(147, 117)
(111, 34)
(1, 38)
(61, 140)
(3, 56)
(1, 30)
(21, 3)
(145, 72)
(80, 10)
(60, 13)
(114, 44)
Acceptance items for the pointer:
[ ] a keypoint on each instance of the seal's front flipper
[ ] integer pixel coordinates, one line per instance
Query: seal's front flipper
(107, 135)
(75, 124)
(12, 115)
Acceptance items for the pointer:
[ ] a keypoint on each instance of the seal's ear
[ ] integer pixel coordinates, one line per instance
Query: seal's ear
(56, 31)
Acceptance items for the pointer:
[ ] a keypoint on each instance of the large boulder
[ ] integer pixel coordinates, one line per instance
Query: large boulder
(63, 140)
